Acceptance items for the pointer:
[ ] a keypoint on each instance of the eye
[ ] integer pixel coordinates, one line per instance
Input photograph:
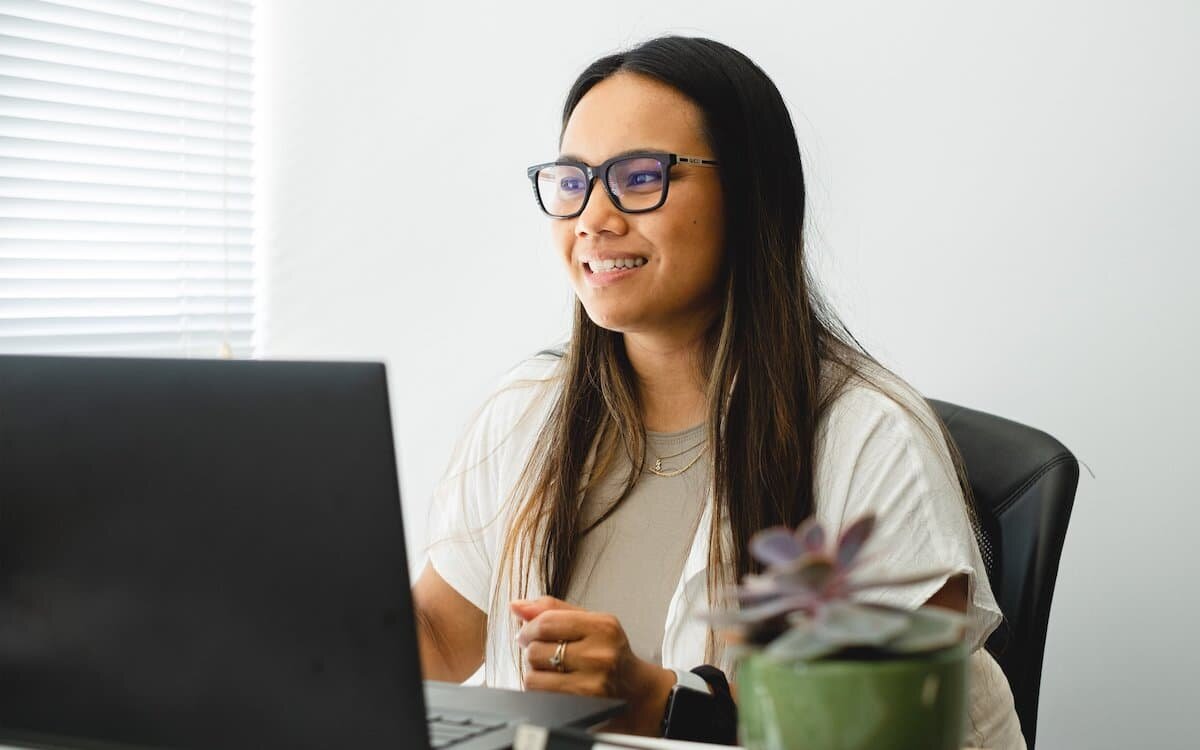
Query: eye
(643, 179)
(570, 184)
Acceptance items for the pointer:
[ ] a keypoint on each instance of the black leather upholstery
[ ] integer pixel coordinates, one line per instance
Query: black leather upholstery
(1024, 483)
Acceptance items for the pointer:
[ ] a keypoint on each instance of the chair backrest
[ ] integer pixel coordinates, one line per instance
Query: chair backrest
(1024, 483)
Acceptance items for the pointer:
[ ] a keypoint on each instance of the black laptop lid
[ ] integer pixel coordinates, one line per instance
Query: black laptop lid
(203, 554)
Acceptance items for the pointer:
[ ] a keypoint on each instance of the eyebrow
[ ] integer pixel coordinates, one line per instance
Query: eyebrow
(626, 152)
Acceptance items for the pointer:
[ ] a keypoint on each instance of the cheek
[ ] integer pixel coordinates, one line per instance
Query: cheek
(695, 243)
(562, 239)
(708, 237)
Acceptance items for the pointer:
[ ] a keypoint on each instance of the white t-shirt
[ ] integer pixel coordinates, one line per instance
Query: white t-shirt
(871, 456)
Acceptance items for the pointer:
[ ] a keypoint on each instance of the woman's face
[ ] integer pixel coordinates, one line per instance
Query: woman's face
(677, 288)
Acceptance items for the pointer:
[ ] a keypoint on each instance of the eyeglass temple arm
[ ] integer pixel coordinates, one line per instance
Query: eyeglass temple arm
(696, 161)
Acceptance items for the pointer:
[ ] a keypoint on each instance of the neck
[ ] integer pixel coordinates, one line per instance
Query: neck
(669, 378)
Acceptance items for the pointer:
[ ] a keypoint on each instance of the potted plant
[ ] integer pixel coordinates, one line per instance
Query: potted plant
(820, 669)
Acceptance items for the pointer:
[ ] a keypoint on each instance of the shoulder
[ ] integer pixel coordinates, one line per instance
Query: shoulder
(518, 403)
(875, 400)
(877, 422)
(531, 383)
(496, 440)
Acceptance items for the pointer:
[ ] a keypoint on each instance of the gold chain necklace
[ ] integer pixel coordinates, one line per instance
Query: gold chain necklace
(657, 471)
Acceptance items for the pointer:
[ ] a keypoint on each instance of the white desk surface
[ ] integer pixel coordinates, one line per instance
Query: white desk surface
(625, 740)
(650, 743)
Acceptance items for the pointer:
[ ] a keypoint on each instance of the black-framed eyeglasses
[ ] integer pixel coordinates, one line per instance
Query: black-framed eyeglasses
(635, 182)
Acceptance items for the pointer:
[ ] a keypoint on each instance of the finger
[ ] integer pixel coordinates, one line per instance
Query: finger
(527, 609)
(555, 625)
(576, 656)
(539, 653)
(567, 682)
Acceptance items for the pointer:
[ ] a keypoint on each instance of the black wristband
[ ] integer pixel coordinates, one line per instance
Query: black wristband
(697, 717)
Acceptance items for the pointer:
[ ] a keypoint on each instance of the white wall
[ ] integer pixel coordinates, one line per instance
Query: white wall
(1004, 204)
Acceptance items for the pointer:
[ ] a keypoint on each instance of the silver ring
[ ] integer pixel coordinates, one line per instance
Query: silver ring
(556, 661)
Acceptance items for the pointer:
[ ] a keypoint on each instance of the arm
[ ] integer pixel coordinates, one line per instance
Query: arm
(953, 595)
(451, 631)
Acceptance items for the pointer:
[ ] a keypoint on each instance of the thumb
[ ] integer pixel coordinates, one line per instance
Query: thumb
(527, 609)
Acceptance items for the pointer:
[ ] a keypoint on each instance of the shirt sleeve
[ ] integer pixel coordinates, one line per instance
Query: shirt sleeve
(460, 549)
(875, 457)
(468, 511)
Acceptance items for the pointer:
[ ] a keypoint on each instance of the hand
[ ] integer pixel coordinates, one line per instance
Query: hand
(597, 660)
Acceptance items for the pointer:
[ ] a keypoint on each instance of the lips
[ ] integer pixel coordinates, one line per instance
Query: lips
(600, 278)
(609, 265)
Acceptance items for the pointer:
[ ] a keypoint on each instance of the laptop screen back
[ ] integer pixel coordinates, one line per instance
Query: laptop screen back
(203, 554)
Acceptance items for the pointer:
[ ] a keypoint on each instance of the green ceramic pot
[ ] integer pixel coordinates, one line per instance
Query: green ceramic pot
(894, 704)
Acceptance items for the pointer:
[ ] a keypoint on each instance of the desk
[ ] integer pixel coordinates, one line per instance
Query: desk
(624, 740)
(650, 743)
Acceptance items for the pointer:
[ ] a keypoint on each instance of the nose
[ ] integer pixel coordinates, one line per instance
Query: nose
(600, 214)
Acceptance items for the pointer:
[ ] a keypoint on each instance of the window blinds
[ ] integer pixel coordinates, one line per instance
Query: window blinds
(125, 177)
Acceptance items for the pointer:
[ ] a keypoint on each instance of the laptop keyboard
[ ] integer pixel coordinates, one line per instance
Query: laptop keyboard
(450, 728)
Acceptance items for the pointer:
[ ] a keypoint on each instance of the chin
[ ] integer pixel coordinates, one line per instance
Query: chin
(611, 320)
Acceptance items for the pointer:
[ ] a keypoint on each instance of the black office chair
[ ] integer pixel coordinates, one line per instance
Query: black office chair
(1024, 483)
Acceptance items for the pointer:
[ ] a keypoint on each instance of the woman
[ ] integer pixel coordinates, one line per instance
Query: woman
(704, 379)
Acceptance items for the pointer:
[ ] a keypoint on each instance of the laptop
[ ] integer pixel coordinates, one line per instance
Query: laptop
(210, 554)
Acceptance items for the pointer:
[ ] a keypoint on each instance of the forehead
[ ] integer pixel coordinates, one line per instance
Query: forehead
(629, 111)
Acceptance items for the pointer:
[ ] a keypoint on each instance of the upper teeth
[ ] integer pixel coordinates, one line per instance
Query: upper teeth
(608, 265)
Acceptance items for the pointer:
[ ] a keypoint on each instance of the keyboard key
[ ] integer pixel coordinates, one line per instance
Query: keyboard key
(455, 718)
(447, 728)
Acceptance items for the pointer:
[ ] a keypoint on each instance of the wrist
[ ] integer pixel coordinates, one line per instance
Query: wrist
(647, 706)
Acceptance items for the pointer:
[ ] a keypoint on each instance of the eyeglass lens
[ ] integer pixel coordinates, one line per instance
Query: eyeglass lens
(636, 182)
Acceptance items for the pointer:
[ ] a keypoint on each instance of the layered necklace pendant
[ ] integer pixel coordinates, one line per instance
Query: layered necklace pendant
(657, 469)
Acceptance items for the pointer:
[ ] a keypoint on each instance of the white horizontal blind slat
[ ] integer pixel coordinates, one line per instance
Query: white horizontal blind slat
(92, 250)
(38, 328)
(186, 31)
(133, 47)
(185, 179)
(97, 307)
(176, 125)
(126, 189)
(162, 87)
(186, 103)
(199, 16)
(173, 69)
(123, 195)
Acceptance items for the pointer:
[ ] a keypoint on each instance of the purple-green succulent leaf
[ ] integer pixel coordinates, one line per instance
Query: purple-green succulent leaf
(775, 546)
(811, 572)
(811, 536)
(802, 619)
(853, 538)
(811, 586)
(757, 586)
(921, 576)
(799, 644)
(850, 624)
(929, 628)
(761, 612)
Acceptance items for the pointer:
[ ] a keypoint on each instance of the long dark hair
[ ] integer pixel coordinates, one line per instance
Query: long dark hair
(763, 356)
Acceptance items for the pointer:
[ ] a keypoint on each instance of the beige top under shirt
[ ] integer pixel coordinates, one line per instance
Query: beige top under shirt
(629, 565)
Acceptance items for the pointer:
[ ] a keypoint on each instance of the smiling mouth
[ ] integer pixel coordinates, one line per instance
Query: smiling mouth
(609, 266)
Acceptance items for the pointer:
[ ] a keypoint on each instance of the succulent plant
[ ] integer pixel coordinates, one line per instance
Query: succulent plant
(802, 606)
